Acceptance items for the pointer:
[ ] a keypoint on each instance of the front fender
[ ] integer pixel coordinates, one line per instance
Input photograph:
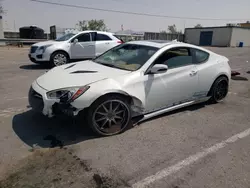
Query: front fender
(104, 87)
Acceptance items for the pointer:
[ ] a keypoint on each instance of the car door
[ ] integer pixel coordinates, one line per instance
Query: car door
(205, 68)
(103, 43)
(177, 85)
(83, 48)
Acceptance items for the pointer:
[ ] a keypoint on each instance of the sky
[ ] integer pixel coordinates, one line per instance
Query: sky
(25, 13)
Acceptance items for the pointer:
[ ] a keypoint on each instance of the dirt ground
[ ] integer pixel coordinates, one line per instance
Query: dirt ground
(56, 167)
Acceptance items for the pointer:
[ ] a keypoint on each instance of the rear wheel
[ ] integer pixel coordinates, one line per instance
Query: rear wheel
(109, 115)
(219, 90)
(59, 58)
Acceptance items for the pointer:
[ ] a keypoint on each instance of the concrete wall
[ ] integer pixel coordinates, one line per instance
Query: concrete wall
(10, 34)
(221, 36)
(240, 35)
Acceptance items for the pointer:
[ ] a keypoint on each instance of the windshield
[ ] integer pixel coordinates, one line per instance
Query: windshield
(65, 37)
(127, 56)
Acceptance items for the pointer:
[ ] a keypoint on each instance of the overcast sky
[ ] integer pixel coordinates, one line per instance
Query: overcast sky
(25, 13)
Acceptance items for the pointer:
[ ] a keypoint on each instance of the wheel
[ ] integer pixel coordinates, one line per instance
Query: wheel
(109, 115)
(219, 90)
(59, 58)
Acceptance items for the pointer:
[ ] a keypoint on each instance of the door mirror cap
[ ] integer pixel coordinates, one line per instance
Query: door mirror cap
(158, 68)
(75, 41)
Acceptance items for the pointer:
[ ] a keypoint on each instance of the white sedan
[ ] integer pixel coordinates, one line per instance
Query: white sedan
(135, 79)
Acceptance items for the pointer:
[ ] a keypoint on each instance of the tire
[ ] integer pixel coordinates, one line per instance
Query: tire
(106, 123)
(219, 90)
(62, 57)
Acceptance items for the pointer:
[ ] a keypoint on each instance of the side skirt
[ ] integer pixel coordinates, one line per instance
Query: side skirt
(165, 110)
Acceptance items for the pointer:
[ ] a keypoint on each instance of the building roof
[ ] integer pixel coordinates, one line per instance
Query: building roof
(218, 27)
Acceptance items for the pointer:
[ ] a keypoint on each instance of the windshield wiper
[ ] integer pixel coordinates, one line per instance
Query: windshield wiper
(109, 65)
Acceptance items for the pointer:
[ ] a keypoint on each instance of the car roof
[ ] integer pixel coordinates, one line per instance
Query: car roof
(101, 32)
(163, 43)
(153, 43)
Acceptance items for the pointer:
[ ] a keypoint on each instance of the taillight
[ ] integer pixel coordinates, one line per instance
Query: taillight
(119, 41)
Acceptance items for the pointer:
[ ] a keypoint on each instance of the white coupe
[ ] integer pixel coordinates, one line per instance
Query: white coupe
(135, 79)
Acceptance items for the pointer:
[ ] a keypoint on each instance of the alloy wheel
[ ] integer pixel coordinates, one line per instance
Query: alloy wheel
(59, 59)
(221, 90)
(111, 116)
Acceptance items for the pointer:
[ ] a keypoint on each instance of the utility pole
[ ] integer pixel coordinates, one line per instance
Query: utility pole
(14, 26)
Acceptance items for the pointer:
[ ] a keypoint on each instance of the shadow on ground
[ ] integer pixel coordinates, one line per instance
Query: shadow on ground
(239, 78)
(34, 67)
(36, 129)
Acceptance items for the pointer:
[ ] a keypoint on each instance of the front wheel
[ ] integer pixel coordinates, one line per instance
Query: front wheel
(109, 115)
(219, 90)
(59, 58)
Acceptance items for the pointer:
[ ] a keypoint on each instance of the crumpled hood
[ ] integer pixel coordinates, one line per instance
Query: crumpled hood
(44, 43)
(77, 74)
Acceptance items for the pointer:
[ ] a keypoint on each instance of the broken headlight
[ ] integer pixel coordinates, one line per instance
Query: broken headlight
(67, 94)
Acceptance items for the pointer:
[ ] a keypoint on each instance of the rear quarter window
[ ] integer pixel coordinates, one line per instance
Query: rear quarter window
(200, 56)
(100, 37)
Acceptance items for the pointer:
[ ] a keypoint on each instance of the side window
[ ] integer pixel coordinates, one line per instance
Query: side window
(102, 37)
(93, 36)
(84, 37)
(176, 57)
(200, 56)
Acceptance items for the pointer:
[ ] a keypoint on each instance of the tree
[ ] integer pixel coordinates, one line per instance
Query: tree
(1, 8)
(172, 29)
(198, 26)
(98, 25)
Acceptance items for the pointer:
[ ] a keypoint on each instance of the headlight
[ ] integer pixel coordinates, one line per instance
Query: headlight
(67, 94)
(43, 48)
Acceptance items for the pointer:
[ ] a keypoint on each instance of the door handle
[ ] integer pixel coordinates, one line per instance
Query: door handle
(192, 73)
(107, 43)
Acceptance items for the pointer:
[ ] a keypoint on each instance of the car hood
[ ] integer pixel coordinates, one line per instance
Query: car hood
(44, 43)
(77, 74)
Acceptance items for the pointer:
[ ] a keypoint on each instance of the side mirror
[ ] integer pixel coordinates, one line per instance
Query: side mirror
(158, 68)
(75, 41)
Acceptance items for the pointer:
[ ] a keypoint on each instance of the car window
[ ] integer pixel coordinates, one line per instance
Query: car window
(127, 56)
(102, 37)
(176, 57)
(84, 37)
(200, 56)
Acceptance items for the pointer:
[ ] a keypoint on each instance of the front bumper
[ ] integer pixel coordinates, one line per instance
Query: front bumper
(40, 103)
(39, 57)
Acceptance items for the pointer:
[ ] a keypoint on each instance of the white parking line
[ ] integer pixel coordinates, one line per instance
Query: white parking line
(20, 98)
(190, 160)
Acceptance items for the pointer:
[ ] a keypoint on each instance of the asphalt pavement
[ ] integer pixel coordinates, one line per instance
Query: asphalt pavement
(199, 146)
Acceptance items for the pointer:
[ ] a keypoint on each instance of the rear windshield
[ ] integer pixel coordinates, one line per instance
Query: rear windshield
(118, 38)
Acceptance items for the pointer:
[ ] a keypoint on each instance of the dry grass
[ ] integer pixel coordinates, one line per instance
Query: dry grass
(55, 168)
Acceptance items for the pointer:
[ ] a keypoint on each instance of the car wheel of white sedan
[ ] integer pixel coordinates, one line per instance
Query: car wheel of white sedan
(109, 115)
(59, 58)
(219, 89)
